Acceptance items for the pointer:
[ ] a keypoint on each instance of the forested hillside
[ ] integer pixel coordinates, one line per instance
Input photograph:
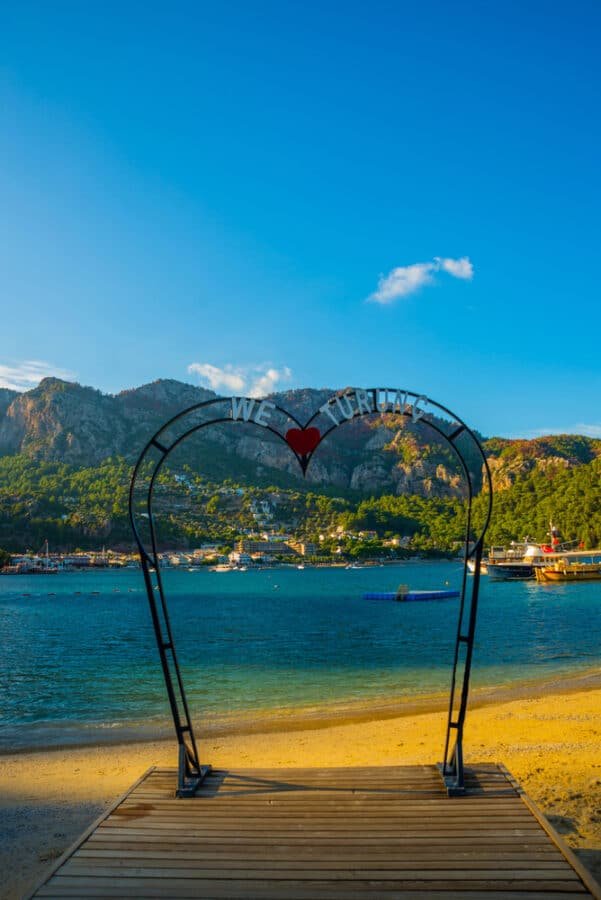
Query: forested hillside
(570, 497)
(87, 507)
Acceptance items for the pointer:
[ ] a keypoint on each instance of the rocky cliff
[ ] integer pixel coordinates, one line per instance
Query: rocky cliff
(82, 426)
(6, 398)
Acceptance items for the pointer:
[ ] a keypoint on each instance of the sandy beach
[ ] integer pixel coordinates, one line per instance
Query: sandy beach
(550, 741)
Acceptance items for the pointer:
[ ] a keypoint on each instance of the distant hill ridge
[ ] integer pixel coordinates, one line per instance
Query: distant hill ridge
(60, 420)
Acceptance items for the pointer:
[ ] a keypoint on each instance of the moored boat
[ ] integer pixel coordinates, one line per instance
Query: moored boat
(563, 570)
(517, 561)
(517, 570)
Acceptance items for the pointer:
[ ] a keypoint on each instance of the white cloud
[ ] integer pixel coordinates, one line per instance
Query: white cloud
(217, 378)
(406, 280)
(26, 375)
(589, 430)
(266, 383)
(253, 381)
(402, 281)
(458, 268)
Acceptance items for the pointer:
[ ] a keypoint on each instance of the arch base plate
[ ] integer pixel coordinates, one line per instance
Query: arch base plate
(452, 780)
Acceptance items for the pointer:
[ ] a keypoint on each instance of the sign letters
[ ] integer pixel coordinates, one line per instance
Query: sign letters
(340, 408)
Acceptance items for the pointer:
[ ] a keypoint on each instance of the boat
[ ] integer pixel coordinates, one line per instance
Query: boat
(517, 571)
(521, 562)
(516, 561)
(563, 570)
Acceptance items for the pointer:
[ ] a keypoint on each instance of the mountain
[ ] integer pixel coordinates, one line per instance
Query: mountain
(64, 421)
(80, 425)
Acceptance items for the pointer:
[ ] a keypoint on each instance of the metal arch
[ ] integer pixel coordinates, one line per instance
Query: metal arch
(191, 772)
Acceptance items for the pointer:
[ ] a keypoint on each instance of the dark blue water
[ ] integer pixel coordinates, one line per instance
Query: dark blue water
(79, 657)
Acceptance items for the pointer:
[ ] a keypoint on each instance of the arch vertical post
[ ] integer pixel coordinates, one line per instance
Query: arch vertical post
(452, 768)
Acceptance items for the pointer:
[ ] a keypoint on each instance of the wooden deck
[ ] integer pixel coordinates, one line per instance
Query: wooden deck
(323, 833)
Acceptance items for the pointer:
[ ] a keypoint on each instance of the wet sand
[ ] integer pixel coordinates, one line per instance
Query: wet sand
(549, 739)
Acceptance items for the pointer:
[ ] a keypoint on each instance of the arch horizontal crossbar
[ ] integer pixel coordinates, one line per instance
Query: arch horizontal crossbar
(303, 440)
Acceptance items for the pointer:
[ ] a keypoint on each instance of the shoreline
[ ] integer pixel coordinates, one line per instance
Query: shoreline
(368, 563)
(547, 738)
(279, 720)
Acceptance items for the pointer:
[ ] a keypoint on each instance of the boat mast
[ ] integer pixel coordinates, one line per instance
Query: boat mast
(554, 535)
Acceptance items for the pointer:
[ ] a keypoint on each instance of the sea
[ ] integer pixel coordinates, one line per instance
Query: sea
(267, 648)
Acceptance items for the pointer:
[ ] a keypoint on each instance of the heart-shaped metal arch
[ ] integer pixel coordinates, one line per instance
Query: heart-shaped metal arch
(303, 440)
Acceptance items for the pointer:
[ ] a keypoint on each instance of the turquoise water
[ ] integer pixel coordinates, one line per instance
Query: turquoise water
(79, 660)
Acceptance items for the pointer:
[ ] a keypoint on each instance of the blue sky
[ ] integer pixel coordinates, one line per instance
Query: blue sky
(306, 194)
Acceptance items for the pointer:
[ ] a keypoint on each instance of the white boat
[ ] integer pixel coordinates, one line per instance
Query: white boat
(515, 561)
(520, 565)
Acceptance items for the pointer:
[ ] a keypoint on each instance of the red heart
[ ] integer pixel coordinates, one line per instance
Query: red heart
(303, 440)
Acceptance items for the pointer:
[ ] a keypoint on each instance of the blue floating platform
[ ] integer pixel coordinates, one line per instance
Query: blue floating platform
(404, 596)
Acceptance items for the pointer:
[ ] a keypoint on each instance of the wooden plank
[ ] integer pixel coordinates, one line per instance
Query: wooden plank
(294, 892)
(296, 807)
(216, 810)
(309, 851)
(367, 839)
(352, 797)
(277, 817)
(172, 888)
(198, 860)
(318, 869)
(461, 805)
(342, 829)
(409, 878)
(297, 810)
